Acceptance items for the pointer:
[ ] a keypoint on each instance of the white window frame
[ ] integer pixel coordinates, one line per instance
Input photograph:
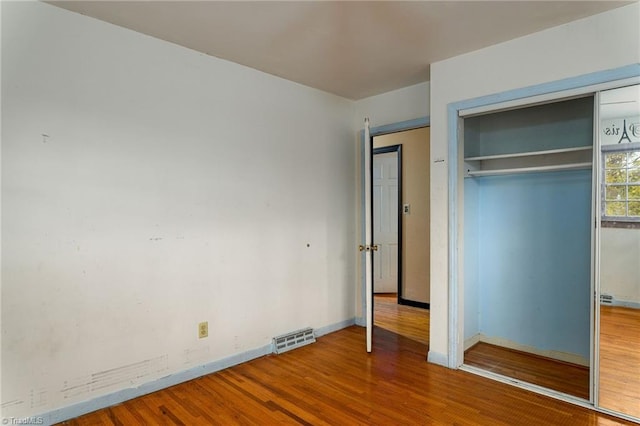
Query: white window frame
(625, 221)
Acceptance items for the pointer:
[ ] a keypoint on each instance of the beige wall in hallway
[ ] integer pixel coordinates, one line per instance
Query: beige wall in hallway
(415, 226)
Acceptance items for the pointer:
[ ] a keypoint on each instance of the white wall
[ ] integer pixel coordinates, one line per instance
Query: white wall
(620, 269)
(172, 188)
(597, 43)
(395, 106)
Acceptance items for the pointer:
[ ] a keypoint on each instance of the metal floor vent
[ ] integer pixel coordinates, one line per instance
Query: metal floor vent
(293, 340)
(606, 299)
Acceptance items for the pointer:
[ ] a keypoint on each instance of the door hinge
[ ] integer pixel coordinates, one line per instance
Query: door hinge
(372, 247)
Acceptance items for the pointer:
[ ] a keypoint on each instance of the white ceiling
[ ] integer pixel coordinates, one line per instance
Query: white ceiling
(353, 49)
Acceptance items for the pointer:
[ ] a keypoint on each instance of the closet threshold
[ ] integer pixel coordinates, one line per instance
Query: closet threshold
(569, 166)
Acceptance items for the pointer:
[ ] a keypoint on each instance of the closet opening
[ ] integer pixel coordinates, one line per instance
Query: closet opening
(528, 254)
(505, 194)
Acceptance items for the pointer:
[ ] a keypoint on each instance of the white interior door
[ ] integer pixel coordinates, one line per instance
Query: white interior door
(368, 237)
(385, 222)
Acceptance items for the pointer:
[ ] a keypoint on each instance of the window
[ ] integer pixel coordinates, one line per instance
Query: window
(621, 185)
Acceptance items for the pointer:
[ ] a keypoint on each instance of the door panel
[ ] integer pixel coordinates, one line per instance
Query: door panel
(385, 214)
(366, 248)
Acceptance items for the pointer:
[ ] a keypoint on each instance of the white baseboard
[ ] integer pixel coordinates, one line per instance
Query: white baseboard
(334, 327)
(438, 358)
(505, 343)
(472, 341)
(623, 304)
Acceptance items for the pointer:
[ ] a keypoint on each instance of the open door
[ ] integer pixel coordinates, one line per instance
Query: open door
(367, 248)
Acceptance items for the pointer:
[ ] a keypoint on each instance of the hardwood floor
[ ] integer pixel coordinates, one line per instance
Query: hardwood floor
(620, 359)
(335, 382)
(557, 375)
(404, 320)
(619, 364)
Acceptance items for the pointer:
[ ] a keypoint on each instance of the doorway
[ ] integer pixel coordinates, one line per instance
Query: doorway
(400, 204)
(387, 184)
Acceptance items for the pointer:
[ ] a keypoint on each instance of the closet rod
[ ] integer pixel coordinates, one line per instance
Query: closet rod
(569, 166)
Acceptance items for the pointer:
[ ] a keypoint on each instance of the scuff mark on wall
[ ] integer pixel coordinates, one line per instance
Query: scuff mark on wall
(127, 374)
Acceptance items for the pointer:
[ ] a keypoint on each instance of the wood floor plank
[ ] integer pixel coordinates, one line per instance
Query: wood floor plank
(620, 359)
(557, 375)
(404, 320)
(334, 381)
(619, 364)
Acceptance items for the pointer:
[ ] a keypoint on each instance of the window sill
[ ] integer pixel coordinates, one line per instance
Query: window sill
(619, 224)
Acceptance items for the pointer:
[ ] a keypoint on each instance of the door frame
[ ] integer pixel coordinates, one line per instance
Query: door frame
(376, 131)
(385, 150)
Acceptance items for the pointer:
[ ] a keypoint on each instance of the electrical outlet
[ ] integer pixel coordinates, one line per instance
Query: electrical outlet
(203, 330)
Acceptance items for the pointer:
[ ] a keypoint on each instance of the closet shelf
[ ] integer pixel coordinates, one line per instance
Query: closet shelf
(529, 154)
(569, 166)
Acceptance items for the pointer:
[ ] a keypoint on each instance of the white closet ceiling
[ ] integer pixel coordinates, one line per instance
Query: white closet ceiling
(352, 49)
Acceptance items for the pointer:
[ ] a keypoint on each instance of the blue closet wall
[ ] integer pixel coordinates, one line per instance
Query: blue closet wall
(471, 259)
(527, 237)
(536, 259)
